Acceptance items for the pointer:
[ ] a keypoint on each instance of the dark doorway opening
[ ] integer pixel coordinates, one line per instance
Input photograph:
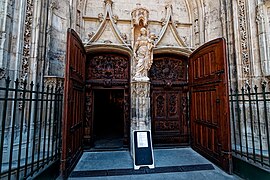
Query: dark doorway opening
(108, 118)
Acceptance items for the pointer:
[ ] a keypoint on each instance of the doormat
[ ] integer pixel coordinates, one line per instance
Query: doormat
(121, 172)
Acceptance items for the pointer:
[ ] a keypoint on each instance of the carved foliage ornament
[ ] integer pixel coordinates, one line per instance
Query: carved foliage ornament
(168, 69)
(108, 67)
(161, 104)
(173, 101)
(244, 40)
(260, 14)
(160, 101)
(100, 17)
(27, 38)
(26, 45)
(167, 125)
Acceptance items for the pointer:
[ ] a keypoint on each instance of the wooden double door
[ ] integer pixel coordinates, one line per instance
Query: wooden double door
(189, 99)
(169, 101)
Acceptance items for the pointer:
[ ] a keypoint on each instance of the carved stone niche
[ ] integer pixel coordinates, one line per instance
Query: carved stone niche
(140, 18)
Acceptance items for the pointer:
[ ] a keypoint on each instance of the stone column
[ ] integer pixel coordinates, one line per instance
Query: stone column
(140, 107)
(143, 44)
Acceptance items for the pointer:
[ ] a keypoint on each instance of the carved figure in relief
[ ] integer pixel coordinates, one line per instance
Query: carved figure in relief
(143, 54)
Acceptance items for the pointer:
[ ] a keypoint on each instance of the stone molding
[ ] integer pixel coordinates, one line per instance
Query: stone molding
(168, 22)
(244, 45)
(27, 39)
(110, 18)
(262, 34)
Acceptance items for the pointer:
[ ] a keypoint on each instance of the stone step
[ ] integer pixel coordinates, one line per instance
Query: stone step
(175, 163)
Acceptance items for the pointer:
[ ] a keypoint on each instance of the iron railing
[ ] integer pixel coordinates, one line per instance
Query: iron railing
(30, 128)
(250, 113)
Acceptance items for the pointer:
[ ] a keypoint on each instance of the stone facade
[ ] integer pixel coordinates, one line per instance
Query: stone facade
(33, 33)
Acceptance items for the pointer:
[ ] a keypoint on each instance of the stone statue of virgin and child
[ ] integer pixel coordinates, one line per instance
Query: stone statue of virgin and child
(143, 55)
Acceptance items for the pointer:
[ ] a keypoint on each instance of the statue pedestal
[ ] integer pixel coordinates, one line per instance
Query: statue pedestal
(140, 111)
(140, 105)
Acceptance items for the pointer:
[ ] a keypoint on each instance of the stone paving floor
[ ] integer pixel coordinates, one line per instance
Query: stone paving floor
(115, 160)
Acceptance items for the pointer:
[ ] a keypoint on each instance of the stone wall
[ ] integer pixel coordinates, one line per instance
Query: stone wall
(33, 38)
(248, 41)
(33, 33)
(196, 23)
(94, 13)
(59, 20)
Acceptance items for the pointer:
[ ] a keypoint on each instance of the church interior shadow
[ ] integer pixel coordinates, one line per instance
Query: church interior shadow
(108, 119)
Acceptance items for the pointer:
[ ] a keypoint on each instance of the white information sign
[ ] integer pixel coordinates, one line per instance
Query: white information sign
(142, 139)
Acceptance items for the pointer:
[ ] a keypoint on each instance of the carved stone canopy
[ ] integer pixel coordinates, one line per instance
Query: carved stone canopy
(139, 15)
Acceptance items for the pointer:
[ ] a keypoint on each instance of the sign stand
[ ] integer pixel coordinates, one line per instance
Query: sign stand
(143, 151)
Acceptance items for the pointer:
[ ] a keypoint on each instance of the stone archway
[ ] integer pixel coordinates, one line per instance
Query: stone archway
(107, 74)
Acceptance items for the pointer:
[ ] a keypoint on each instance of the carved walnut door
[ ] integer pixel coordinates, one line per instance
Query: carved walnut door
(73, 103)
(209, 108)
(169, 100)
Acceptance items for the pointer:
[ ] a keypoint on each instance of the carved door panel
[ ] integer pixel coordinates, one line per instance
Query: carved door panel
(74, 103)
(169, 101)
(169, 118)
(209, 108)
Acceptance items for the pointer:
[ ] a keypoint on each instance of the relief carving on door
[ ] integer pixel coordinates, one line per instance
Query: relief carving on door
(160, 108)
(173, 101)
(169, 100)
(108, 67)
(169, 70)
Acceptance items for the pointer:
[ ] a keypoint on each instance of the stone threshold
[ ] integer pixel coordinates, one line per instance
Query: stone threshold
(130, 171)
